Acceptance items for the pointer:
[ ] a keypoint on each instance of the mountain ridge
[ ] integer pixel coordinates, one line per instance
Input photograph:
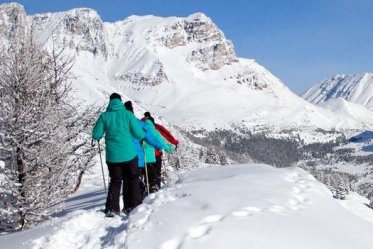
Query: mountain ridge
(183, 69)
(355, 88)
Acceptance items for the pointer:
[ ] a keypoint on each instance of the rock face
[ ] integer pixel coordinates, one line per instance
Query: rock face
(13, 23)
(79, 29)
(217, 52)
(250, 79)
(142, 79)
(212, 50)
(204, 44)
(83, 30)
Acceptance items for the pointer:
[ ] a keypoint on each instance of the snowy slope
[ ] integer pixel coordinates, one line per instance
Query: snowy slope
(348, 109)
(241, 206)
(241, 91)
(353, 88)
(183, 69)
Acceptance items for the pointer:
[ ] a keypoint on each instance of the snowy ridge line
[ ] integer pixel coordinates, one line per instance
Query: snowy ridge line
(353, 88)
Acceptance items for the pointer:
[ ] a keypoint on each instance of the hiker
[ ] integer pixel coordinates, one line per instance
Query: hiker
(154, 173)
(119, 126)
(158, 153)
(149, 139)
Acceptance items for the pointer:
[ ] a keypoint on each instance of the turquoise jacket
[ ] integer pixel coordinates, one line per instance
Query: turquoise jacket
(150, 150)
(119, 127)
(149, 139)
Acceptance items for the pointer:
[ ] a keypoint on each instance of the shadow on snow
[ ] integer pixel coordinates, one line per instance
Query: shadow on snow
(84, 201)
(112, 232)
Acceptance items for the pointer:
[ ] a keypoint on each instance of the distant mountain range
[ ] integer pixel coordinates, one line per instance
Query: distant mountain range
(183, 69)
(354, 88)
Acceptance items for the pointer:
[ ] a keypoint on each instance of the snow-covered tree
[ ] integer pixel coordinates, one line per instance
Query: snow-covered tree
(44, 137)
(339, 183)
(370, 197)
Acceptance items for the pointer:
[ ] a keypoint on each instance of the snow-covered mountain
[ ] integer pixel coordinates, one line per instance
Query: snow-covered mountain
(348, 95)
(183, 69)
(356, 88)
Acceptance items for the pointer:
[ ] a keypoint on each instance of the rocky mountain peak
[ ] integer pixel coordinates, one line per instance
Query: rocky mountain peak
(79, 29)
(8, 8)
(13, 22)
(217, 50)
(210, 48)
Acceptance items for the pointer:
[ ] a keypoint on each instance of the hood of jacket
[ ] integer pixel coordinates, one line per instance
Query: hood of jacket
(115, 105)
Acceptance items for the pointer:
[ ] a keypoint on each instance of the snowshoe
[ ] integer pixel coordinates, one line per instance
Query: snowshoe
(111, 214)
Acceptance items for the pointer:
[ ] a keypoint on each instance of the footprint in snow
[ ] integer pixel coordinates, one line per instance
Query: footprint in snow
(301, 198)
(294, 205)
(171, 244)
(293, 202)
(140, 217)
(292, 177)
(246, 211)
(241, 213)
(277, 209)
(194, 232)
(212, 218)
(303, 186)
(297, 190)
(199, 231)
(253, 209)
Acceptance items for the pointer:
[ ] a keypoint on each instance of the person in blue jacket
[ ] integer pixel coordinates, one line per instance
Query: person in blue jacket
(149, 139)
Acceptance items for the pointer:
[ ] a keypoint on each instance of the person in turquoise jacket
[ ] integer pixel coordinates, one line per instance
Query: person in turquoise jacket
(150, 154)
(119, 127)
(149, 139)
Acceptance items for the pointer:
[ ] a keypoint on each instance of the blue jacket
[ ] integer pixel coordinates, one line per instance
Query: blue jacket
(149, 149)
(149, 139)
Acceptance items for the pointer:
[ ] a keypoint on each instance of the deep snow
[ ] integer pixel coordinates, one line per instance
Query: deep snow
(236, 206)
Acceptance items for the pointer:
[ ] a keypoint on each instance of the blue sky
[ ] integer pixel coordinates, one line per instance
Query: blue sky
(300, 41)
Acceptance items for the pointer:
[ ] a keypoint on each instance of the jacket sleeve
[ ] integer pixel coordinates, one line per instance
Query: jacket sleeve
(152, 140)
(135, 128)
(166, 134)
(166, 146)
(98, 130)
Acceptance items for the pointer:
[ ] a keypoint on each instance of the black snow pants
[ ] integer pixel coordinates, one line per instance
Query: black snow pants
(128, 173)
(158, 169)
(151, 177)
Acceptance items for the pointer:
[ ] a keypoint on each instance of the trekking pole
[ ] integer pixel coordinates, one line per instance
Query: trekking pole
(178, 158)
(165, 167)
(102, 167)
(146, 172)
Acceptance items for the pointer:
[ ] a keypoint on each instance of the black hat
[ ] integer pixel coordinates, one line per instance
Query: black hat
(128, 105)
(147, 115)
(115, 96)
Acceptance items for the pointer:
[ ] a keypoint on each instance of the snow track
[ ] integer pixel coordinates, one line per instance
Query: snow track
(215, 207)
